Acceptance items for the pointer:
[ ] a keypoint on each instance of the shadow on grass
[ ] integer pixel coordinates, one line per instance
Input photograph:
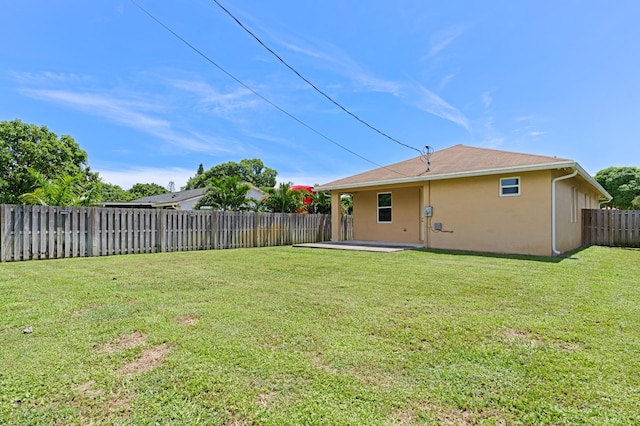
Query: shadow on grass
(630, 248)
(571, 255)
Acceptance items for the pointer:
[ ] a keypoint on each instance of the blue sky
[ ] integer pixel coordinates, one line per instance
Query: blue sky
(540, 77)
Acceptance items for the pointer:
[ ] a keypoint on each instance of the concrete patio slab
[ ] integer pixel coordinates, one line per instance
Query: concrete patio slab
(379, 246)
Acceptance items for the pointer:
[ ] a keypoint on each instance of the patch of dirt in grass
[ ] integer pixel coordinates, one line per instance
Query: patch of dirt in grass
(569, 347)
(88, 389)
(82, 312)
(148, 360)
(270, 341)
(318, 362)
(188, 320)
(236, 422)
(525, 336)
(457, 416)
(513, 335)
(119, 404)
(265, 399)
(124, 342)
(446, 416)
(101, 407)
(371, 377)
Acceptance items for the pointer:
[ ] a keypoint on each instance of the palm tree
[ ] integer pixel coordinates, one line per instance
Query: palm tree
(283, 199)
(320, 203)
(346, 204)
(61, 191)
(227, 193)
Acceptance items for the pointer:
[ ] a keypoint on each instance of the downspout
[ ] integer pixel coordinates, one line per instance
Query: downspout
(554, 249)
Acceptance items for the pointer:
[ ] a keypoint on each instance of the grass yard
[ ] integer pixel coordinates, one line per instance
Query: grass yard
(291, 336)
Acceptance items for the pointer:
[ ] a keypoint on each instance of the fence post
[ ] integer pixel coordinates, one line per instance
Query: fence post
(610, 224)
(95, 232)
(162, 230)
(5, 233)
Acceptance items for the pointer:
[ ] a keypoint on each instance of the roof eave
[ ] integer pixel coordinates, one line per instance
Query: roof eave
(586, 176)
(474, 173)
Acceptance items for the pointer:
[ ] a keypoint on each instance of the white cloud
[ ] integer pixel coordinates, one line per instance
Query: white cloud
(306, 179)
(488, 124)
(443, 39)
(445, 80)
(434, 104)
(410, 92)
(221, 104)
(48, 77)
(127, 176)
(487, 99)
(525, 118)
(493, 142)
(130, 113)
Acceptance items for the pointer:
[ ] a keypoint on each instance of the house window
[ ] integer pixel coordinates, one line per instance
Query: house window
(510, 187)
(384, 207)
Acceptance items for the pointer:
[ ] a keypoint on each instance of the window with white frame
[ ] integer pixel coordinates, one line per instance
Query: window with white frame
(384, 207)
(510, 187)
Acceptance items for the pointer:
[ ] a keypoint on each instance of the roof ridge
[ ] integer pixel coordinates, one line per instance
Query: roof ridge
(507, 152)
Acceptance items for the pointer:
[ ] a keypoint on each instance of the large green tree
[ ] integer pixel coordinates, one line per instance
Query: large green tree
(140, 190)
(623, 183)
(251, 171)
(228, 194)
(110, 192)
(27, 146)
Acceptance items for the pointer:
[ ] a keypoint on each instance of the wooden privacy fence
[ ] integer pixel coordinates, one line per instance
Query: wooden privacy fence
(611, 227)
(43, 232)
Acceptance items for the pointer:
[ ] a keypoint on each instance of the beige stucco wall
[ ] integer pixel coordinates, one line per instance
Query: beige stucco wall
(475, 217)
(572, 195)
(405, 224)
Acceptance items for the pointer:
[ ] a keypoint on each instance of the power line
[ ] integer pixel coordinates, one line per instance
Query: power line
(237, 80)
(310, 83)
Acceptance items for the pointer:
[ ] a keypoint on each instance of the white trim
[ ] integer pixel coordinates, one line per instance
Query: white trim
(506, 170)
(501, 186)
(473, 173)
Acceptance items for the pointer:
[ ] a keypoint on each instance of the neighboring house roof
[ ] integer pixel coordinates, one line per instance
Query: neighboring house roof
(173, 197)
(456, 162)
(171, 200)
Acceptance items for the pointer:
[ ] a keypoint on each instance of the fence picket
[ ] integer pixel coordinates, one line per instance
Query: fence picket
(619, 228)
(42, 232)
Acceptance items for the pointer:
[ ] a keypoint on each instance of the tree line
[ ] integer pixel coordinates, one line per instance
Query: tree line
(38, 167)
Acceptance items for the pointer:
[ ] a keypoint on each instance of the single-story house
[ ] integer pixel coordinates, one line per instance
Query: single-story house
(180, 200)
(466, 198)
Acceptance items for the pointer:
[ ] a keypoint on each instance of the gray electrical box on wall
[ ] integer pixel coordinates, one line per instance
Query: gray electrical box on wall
(437, 226)
(428, 211)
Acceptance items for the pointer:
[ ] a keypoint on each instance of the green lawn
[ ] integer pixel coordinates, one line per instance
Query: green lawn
(291, 336)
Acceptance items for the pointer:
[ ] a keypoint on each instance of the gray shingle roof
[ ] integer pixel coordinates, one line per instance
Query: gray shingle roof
(172, 197)
(456, 160)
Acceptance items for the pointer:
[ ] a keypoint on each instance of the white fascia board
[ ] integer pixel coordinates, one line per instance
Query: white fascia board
(582, 172)
(474, 173)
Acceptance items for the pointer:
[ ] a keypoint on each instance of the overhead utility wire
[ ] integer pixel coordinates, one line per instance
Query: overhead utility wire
(256, 93)
(311, 84)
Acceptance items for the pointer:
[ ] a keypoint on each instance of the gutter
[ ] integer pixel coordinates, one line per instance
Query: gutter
(554, 249)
